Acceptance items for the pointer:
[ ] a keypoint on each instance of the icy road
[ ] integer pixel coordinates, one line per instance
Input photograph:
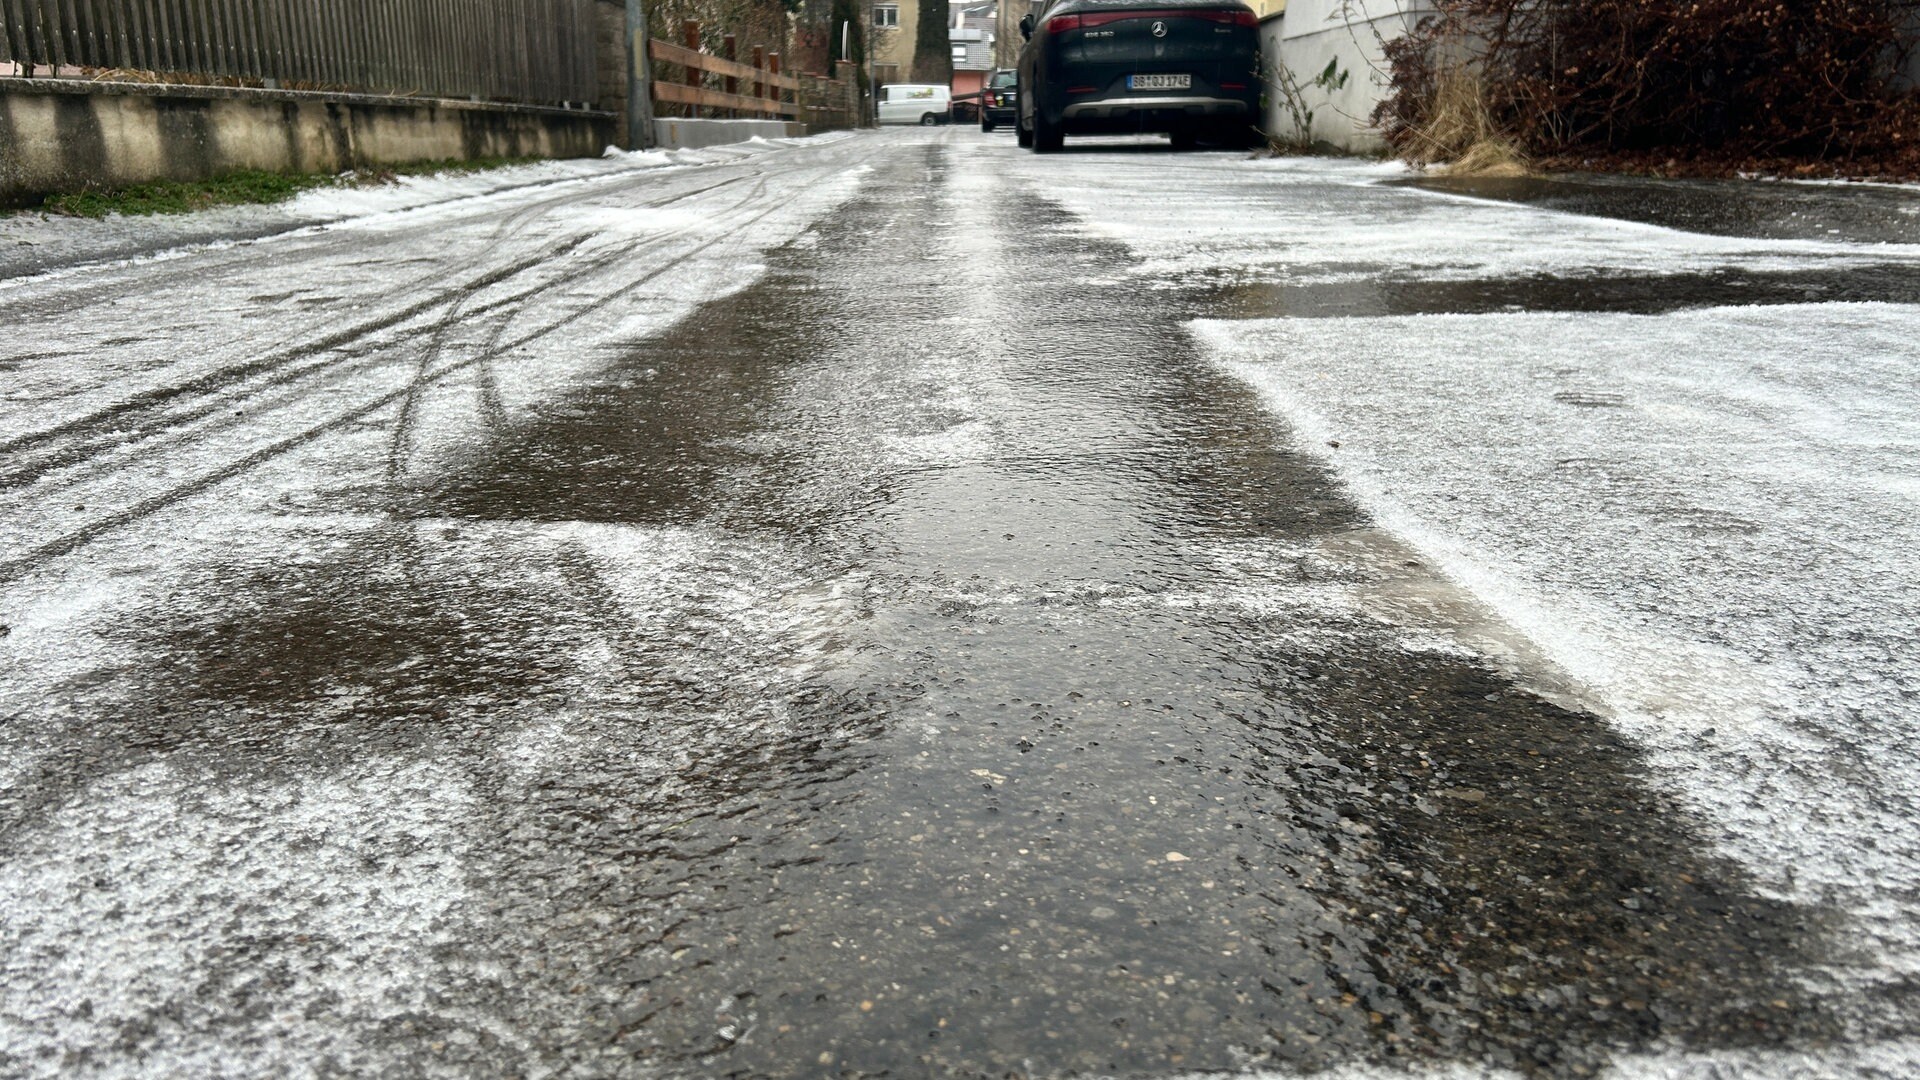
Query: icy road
(891, 605)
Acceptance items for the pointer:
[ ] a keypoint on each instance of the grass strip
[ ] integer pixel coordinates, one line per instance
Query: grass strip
(246, 188)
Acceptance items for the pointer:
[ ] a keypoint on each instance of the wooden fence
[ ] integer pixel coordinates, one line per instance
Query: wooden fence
(721, 86)
(527, 51)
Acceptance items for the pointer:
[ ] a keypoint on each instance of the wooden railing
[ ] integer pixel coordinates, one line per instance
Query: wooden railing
(756, 89)
(528, 51)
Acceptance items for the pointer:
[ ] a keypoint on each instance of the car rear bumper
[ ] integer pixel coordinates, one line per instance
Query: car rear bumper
(1130, 109)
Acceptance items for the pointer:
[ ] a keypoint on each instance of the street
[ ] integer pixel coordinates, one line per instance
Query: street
(889, 604)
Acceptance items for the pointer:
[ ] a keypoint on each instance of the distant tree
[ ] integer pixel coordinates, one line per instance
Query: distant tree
(932, 52)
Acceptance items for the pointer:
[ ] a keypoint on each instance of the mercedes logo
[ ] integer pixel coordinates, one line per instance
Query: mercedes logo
(1159, 29)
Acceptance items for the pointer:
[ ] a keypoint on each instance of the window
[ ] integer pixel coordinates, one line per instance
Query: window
(959, 54)
(886, 15)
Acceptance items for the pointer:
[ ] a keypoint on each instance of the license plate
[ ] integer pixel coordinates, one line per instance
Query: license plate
(1159, 82)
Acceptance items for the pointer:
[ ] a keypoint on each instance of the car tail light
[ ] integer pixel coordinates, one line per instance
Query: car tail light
(1233, 86)
(1082, 89)
(1060, 24)
(1229, 16)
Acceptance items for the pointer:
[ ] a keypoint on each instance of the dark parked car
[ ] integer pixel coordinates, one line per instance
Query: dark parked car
(997, 99)
(1184, 68)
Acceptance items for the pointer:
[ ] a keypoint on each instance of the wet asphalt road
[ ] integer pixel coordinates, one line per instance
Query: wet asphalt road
(915, 663)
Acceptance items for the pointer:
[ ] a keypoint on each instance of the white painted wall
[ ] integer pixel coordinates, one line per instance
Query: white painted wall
(1311, 33)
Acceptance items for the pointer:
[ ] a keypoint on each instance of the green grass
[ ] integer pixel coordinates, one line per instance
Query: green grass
(176, 197)
(243, 188)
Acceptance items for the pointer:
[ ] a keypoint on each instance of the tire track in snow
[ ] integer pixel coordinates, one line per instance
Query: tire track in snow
(33, 558)
(104, 429)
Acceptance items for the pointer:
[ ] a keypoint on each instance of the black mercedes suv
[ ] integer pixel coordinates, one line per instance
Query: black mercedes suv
(1184, 68)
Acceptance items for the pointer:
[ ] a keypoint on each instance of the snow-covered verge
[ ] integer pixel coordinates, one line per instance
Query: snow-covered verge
(34, 242)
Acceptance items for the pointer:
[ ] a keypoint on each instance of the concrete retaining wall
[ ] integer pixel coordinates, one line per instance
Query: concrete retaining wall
(672, 133)
(62, 135)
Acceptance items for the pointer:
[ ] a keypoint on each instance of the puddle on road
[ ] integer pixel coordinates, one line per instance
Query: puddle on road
(1009, 712)
(1384, 293)
(1868, 214)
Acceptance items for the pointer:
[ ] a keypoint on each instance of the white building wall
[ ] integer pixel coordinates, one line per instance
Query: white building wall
(1351, 32)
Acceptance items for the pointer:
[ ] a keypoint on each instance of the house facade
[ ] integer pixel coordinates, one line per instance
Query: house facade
(971, 37)
(890, 46)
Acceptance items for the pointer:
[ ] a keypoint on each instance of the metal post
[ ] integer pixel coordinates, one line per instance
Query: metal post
(639, 80)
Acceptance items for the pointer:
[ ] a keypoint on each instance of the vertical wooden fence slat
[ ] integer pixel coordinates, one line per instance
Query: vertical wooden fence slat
(80, 36)
(39, 51)
(452, 38)
(226, 27)
(246, 23)
(96, 34)
(142, 33)
(213, 28)
(495, 49)
(186, 55)
(535, 51)
(248, 16)
(334, 50)
(389, 50)
(398, 48)
(299, 59)
(96, 38)
(359, 22)
(523, 64)
(345, 21)
(167, 55)
(308, 36)
(13, 36)
(529, 39)
(201, 54)
(57, 27)
(172, 55)
(114, 26)
(354, 41)
(276, 44)
(158, 52)
(373, 51)
(286, 36)
(529, 42)
(44, 31)
(192, 36)
(431, 56)
(312, 30)
(264, 39)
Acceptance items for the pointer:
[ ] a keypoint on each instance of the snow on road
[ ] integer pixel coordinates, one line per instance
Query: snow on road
(259, 404)
(1703, 520)
(1696, 522)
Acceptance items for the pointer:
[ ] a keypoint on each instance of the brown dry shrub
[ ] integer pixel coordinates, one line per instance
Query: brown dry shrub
(1458, 131)
(1706, 80)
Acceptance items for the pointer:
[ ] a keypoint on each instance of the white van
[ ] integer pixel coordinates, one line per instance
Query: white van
(914, 103)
